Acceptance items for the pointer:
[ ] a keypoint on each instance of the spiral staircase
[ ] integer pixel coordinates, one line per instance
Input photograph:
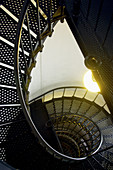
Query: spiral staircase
(64, 128)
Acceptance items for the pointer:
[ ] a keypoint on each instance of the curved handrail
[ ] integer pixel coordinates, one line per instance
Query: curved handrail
(58, 88)
(21, 95)
(70, 87)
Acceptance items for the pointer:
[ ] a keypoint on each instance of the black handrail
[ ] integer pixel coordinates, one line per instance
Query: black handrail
(20, 91)
(58, 88)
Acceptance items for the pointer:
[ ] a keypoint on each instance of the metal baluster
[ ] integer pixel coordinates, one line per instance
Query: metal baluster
(25, 91)
(21, 44)
(96, 136)
(91, 105)
(62, 111)
(97, 112)
(70, 122)
(98, 163)
(74, 126)
(82, 128)
(30, 39)
(72, 100)
(81, 103)
(63, 101)
(33, 62)
(54, 105)
(77, 123)
(63, 117)
(50, 17)
(39, 25)
(39, 46)
(107, 160)
(95, 145)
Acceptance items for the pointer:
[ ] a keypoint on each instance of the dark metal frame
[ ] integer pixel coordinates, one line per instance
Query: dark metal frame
(80, 99)
(20, 93)
(100, 69)
(24, 104)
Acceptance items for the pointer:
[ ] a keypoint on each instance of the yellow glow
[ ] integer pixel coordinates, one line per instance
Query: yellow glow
(90, 83)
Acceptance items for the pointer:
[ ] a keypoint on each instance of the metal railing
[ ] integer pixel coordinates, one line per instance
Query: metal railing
(81, 94)
(23, 72)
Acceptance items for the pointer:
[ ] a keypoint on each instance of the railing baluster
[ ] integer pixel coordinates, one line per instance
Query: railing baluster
(39, 25)
(98, 163)
(80, 104)
(25, 90)
(49, 16)
(72, 100)
(91, 105)
(26, 67)
(54, 107)
(63, 101)
(28, 27)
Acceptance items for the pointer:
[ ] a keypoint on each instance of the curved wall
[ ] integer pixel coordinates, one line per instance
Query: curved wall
(60, 64)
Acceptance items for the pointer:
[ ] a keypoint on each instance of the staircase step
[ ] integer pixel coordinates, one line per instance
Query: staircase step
(107, 155)
(104, 122)
(107, 130)
(49, 107)
(104, 162)
(96, 164)
(7, 76)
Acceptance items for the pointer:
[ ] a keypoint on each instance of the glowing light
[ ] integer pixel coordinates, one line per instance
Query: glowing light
(90, 82)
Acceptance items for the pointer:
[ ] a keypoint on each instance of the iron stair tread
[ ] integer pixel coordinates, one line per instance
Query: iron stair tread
(103, 161)
(6, 54)
(107, 128)
(9, 113)
(107, 142)
(7, 76)
(108, 155)
(99, 116)
(107, 159)
(7, 58)
(104, 122)
(24, 133)
(15, 13)
(66, 102)
(14, 7)
(8, 96)
(33, 18)
(11, 28)
(108, 152)
(96, 164)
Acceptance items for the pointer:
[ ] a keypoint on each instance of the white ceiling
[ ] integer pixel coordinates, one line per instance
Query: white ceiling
(60, 64)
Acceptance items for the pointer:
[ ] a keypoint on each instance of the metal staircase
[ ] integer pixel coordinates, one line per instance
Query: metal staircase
(81, 121)
(77, 125)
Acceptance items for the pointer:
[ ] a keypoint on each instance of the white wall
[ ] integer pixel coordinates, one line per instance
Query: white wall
(60, 64)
